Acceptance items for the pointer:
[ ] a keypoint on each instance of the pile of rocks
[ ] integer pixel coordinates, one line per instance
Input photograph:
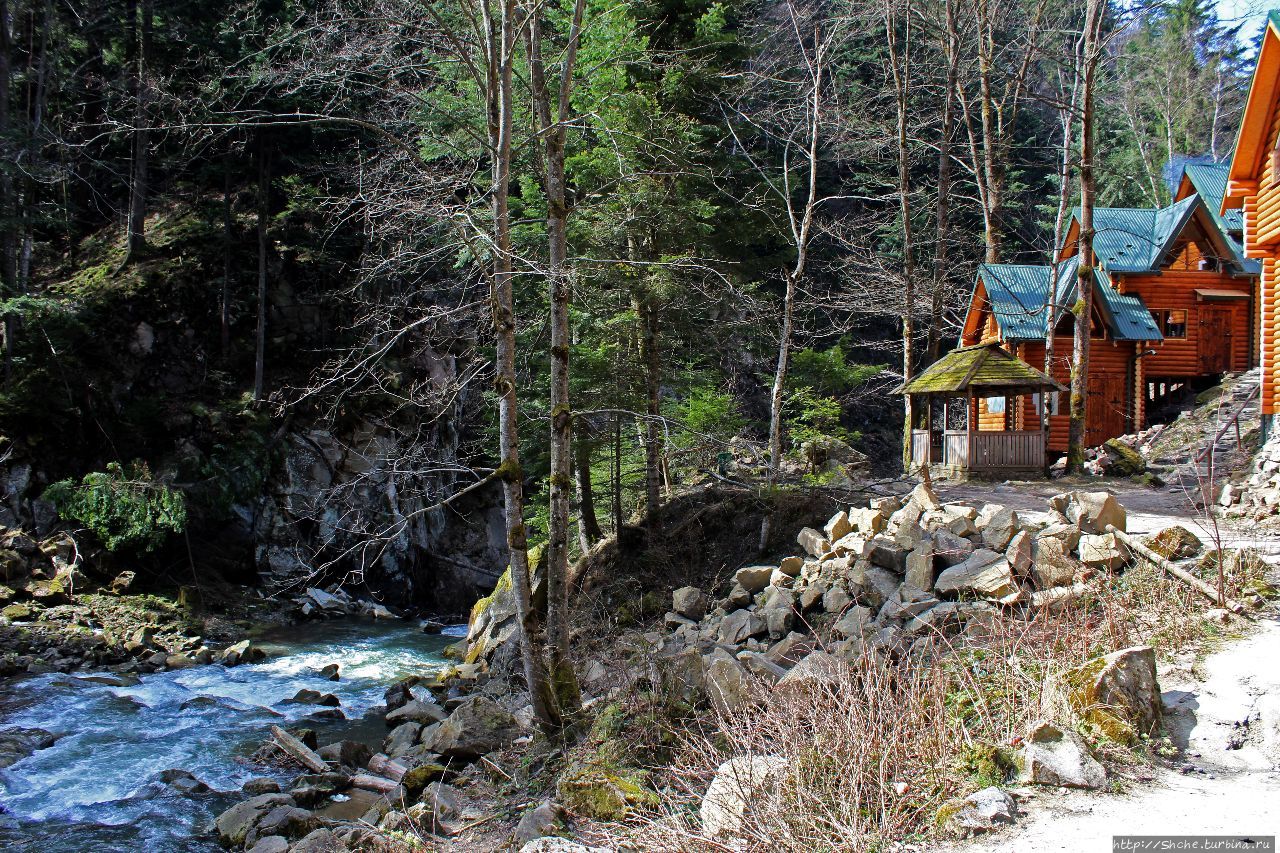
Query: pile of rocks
(334, 601)
(1257, 497)
(878, 577)
(348, 788)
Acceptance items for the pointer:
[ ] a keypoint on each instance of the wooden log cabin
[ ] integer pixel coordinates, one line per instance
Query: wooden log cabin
(1253, 195)
(1173, 305)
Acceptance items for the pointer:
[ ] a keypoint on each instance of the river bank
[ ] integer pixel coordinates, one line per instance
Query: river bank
(100, 782)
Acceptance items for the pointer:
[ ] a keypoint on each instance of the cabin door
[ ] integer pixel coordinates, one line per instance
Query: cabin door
(1214, 346)
(1106, 413)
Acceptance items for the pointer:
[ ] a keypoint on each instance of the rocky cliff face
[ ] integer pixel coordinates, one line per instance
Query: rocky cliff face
(357, 507)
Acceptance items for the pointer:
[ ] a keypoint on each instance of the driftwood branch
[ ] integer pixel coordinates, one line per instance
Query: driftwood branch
(1179, 574)
(299, 751)
(369, 782)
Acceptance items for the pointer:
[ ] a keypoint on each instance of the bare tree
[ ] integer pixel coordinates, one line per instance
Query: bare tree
(785, 104)
(898, 34)
(1004, 41)
(552, 112)
(1091, 54)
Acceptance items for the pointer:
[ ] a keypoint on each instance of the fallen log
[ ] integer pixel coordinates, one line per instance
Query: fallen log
(1173, 571)
(299, 750)
(373, 783)
(389, 767)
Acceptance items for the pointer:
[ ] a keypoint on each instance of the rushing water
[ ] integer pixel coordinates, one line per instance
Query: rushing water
(97, 787)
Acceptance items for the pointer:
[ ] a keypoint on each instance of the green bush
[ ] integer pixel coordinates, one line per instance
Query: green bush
(127, 509)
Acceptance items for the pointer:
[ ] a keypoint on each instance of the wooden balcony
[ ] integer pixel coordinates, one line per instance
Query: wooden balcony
(972, 453)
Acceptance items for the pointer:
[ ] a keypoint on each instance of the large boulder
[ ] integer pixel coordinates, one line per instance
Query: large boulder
(1118, 693)
(1019, 554)
(1104, 552)
(1051, 563)
(242, 652)
(815, 671)
(236, 823)
(690, 602)
(680, 676)
(924, 497)
(998, 524)
(740, 626)
(984, 811)
(1175, 543)
(1059, 757)
(837, 527)
(949, 548)
(985, 574)
(417, 711)
(477, 726)
(1093, 511)
(753, 578)
(740, 784)
(727, 683)
(1122, 459)
(18, 743)
(920, 567)
(813, 542)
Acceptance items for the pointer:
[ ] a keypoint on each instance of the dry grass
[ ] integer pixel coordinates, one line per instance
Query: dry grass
(883, 754)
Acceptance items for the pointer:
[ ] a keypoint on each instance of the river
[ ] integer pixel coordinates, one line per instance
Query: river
(96, 788)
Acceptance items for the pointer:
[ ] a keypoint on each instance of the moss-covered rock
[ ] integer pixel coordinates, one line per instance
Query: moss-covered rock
(493, 621)
(602, 793)
(1118, 694)
(1125, 461)
(1174, 543)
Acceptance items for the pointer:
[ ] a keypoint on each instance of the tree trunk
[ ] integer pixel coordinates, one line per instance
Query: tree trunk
(499, 55)
(776, 401)
(933, 345)
(552, 121)
(587, 520)
(136, 229)
(8, 248)
(264, 202)
(900, 62)
(1084, 301)
(652, 435)
(1059, 236)
(801, 229)
(228, 244)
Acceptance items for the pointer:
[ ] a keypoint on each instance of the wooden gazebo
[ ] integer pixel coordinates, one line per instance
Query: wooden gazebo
(972, 373)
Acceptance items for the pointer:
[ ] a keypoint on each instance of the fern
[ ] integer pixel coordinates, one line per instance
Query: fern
(127, 509)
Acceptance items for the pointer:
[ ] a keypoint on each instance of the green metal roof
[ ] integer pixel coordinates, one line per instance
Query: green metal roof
(1126, 315)
(1018, 294)
(979, 368)
(1210, 183)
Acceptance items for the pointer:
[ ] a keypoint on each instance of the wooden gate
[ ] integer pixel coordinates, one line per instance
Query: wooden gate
(1106, 411)
(1214, 345)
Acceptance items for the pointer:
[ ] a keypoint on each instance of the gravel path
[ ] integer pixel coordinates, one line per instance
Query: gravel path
(1229, 725)
(1224, 714)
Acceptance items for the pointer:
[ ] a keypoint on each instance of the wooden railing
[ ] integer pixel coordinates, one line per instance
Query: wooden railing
(980, 451)
(921, 441)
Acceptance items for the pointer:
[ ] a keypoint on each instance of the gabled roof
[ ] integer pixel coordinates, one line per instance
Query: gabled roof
(1128, 239)
(984, 367)
(1251, 149)
(1019, 293)
(1209, 181)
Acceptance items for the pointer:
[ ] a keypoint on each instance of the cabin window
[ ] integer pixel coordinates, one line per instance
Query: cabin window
(1036, 400)
(1173, 323)
(995, 405)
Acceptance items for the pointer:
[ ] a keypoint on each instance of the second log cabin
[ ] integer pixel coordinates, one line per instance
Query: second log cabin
(1174, 306)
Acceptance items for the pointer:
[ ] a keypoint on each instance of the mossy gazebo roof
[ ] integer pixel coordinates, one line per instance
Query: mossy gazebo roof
(984, 369)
